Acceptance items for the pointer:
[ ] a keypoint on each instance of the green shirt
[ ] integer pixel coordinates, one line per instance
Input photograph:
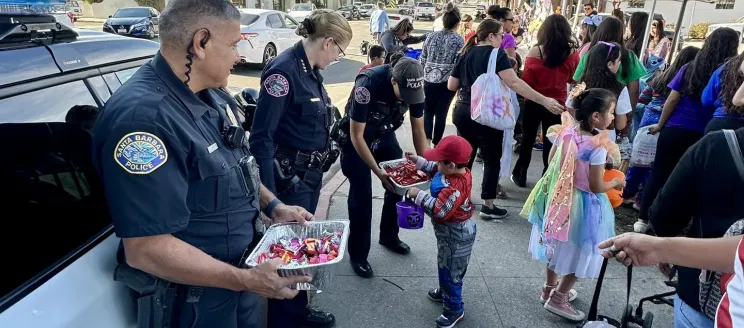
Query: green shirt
(636, 69)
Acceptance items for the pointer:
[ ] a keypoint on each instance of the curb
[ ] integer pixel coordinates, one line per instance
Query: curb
(324, 202)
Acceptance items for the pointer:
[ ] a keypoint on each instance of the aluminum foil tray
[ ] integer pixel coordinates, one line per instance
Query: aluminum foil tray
(401, 190)
(322, 274)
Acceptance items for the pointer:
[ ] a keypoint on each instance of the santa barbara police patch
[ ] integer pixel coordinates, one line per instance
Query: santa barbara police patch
(140, 153)
(361, 95)
(276, 85)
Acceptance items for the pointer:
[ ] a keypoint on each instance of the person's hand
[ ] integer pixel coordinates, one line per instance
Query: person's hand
(413, 192)
(633, 249)
(666, 270)
(264, 280)
(654, 129)
(286, 213)
(618, 184)
(553, 106)
(411, 157)
(385, 178)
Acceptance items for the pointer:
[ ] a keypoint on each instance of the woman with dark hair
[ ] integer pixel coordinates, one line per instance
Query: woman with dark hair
(548, 68)
(652, 99)
(637, 27)
(505, 17)
(719, 96)
(683, 118)
(631, 69)
(398, 38)
(438, 57)
(588, 27)
(658, 43)
(472, 63)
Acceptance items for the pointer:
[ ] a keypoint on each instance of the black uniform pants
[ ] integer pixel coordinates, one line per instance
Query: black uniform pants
(533, 115)
(673, 143)
(438, 100)
(360, 197)
(220, 308)
(490, 143)
(291, 313)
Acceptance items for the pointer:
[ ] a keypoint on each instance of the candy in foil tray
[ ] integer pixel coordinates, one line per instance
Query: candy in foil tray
(282, 233)
(401, 190)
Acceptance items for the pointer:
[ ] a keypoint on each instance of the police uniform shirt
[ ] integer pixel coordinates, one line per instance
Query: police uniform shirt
(374, 89)
(165, 166)
(291, 110)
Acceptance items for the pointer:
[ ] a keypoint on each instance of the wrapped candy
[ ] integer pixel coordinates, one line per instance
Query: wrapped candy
(406, 174)
(298, 251)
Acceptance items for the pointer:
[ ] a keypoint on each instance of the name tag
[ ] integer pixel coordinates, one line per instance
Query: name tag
(212, 148)
(314, 99)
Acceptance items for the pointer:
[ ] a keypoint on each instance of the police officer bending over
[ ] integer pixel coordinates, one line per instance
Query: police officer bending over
(376, 108)
(290, 134)
(182, 188)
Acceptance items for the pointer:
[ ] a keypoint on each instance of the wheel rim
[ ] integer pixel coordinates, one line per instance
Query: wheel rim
(269, 53)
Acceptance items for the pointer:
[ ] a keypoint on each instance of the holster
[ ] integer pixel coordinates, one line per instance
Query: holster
(156, 298)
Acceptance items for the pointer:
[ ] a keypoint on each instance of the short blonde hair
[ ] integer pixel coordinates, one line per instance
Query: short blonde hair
(325, 23)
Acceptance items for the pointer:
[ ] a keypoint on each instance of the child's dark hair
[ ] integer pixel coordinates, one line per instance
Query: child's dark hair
(660, 82)
(592, 101)
(376, 51)
(597, 74)
(82, 115)
(457, 165)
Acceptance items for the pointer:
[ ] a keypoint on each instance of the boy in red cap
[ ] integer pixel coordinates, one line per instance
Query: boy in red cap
(451, 210)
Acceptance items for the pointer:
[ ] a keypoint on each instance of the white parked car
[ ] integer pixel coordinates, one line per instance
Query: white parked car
(265, 34)
(425, 10)
(366, 10)
(738, 26)
(301, 10)
(394, 19)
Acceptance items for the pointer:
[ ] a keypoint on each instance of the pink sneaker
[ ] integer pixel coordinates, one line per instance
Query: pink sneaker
(559, 304)
(546, 294)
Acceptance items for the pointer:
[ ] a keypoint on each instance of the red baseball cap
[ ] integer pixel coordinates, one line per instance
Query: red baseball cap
(452, 148)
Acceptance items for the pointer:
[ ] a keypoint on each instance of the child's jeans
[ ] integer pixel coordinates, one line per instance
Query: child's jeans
(454, 245)
(635, 177)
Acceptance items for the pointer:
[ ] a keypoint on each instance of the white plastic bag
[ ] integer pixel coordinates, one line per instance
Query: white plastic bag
(644, 148)
(490, 99)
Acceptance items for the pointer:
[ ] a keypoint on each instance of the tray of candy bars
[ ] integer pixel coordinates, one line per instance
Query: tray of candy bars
(404, 175)
(315, 250)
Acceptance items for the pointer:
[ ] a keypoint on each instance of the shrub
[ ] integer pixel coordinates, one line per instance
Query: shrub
(698, 31)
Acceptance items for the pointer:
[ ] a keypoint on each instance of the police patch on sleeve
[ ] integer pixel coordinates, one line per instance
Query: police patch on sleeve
(276, 85)
(140, 153)
(361, 95)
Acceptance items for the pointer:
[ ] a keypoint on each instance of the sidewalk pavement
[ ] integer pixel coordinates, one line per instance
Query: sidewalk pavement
(502, 285)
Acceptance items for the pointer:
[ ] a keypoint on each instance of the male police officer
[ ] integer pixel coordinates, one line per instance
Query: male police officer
(182, 188)
(376, 108)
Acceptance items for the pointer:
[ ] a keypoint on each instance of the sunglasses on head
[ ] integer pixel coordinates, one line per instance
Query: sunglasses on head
(611, 45)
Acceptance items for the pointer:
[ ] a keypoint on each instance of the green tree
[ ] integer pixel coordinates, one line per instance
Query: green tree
(157, 4)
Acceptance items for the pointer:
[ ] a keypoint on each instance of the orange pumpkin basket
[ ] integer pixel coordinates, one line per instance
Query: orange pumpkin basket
(615, 196)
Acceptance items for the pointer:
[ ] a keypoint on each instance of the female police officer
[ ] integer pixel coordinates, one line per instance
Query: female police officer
(376, 108)
(290, 133)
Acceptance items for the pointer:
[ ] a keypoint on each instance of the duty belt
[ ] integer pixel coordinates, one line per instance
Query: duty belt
(300, 159)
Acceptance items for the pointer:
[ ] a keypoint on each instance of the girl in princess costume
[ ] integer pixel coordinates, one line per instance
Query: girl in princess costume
(568, 207)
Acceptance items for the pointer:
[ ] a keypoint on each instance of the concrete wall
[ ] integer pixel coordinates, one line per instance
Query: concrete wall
(696, 12)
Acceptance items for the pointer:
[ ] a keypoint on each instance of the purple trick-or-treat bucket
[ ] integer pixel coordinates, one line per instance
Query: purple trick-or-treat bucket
(410, 216)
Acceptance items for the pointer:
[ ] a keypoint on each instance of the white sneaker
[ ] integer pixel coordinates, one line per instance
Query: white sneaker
(637, 207)
(640, 226)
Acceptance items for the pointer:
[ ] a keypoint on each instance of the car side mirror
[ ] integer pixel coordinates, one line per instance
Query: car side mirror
(110, 16)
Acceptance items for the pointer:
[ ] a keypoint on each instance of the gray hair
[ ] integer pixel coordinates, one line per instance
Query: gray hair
(182, 18)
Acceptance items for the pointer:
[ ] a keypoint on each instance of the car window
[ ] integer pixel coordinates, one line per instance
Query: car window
(248, 19)
(153, 12)
(126, 74)
(50, 183)
(289, 22)
(303, 7)
(274, 21)
(45, 105)
(132, 12)
(426, 4)
(98, 86)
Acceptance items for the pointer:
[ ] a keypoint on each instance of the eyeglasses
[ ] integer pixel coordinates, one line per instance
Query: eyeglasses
(342, 54)
(611, 45)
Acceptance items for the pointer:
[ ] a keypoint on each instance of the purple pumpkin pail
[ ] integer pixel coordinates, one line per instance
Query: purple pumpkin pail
(410, 216)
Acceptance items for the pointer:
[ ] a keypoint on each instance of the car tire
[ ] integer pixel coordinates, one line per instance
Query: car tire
(268, 54)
